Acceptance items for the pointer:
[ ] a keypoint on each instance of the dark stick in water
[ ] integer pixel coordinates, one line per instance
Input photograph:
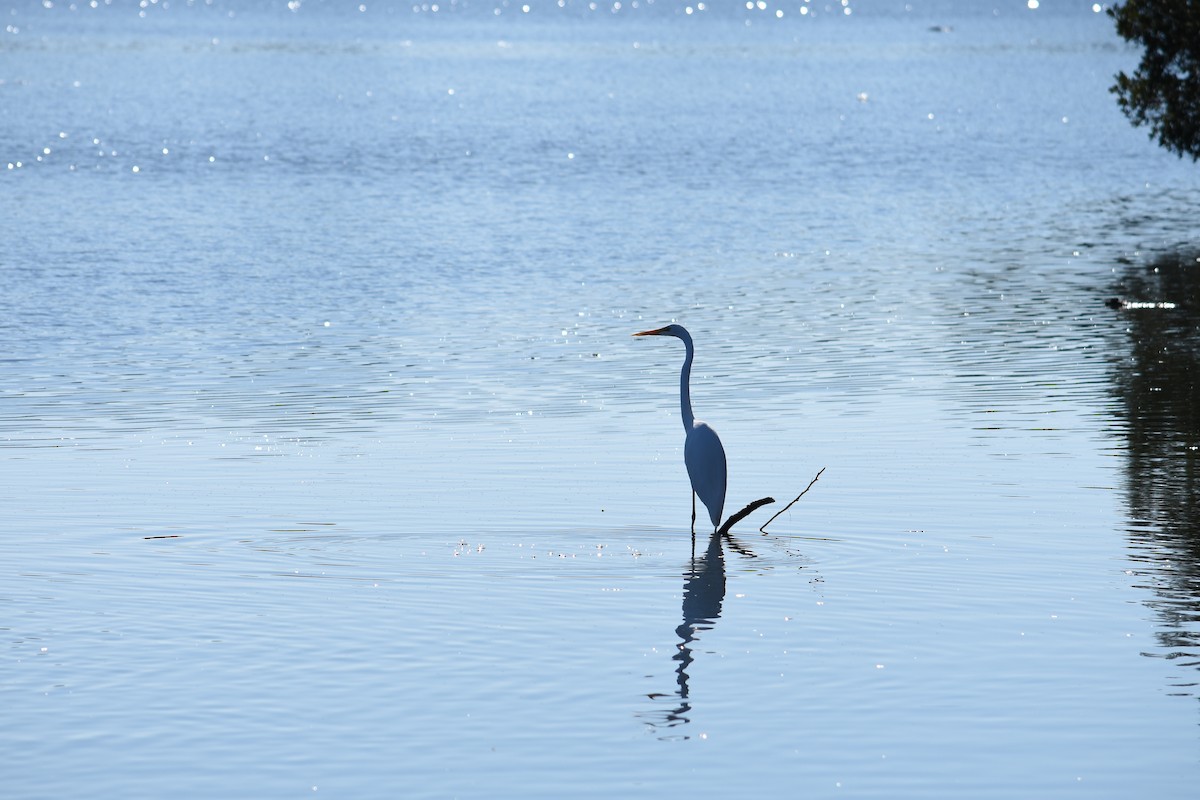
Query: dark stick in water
(745, 512)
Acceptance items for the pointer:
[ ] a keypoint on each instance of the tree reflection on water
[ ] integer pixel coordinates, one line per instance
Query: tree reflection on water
(1160, 401)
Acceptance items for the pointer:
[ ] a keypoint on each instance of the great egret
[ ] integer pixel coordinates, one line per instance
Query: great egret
(702, 450)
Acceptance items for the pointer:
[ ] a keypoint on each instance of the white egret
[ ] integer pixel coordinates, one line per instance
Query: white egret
(702, 450)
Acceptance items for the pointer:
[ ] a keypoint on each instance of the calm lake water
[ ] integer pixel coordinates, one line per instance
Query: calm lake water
(328, 464)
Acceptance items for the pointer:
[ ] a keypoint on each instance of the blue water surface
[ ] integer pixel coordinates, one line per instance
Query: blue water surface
(329, 465)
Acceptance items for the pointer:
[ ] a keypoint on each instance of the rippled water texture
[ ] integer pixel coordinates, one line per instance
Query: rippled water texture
(328, 462)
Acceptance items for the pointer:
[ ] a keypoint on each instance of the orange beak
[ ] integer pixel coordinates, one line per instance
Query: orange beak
(655, 332)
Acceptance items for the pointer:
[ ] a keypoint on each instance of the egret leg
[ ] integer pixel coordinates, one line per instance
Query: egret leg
(693, 526)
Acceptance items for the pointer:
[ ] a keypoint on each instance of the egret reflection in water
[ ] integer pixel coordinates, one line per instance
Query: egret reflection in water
(703, 594)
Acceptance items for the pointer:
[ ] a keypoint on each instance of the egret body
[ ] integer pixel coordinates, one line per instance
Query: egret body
(702, 450)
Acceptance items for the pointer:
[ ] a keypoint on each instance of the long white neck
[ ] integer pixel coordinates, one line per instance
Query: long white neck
(685, 376)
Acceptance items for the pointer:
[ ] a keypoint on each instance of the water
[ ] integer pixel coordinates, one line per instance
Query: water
(329, 465)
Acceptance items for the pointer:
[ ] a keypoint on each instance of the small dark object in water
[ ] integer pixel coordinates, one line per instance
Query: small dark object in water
(1119, 304)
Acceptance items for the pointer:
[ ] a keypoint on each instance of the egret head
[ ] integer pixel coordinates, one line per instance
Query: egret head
(678, 331)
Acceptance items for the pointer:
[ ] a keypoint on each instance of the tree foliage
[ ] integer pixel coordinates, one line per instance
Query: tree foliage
(1164, 91)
